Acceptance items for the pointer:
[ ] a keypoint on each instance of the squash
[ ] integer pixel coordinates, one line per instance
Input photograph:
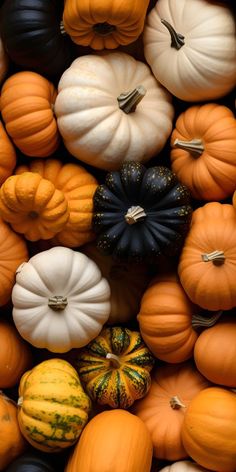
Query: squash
(209, 429)
(213, 211)
(7, 155)
(188, 49)
(78, 187)
(12, 443)
(163, 408)
(141, 214)
(60, 300)
(104, 24)
(13, 251)
(113, 440)
(31, 462)
(27, 101)
(15, 355)
(4, 61)
(53, 407)
(115, 367)
(106, 116)
(33, 206)
(31, 32)
(183, 466)
(203, 151)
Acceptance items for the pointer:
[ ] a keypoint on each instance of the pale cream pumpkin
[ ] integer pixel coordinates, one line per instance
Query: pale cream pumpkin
(184, 466)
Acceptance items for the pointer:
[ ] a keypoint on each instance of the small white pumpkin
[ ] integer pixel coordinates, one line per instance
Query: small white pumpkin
(110, 109)
(184, 466)
(4, 61)
(191, 48)
(60, 300)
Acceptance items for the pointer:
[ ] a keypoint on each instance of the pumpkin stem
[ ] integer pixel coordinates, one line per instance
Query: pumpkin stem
(198, 320)
(57, 302)
(62, 28)
(133, 214)
(114, 360)
(177, 39)
(195, 146)
(33, 215)
(129, 100)
(20, 401)
(104, 29)
(176, 404)
(217, 257)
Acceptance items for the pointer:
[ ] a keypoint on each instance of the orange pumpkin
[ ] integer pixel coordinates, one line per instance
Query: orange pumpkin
(203, 151)
(27, 100)
(213, 211)
(7, 155)
(15, 355)
(209, 429)
(163, 408)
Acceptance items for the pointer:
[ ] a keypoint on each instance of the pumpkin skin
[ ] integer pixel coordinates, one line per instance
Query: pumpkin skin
(78, 187)
(115, 367)
(4, 62)
(27, 101)
(113, 440)
(204, 67)
(53, 407)
(13, 253)
(184, 466)
(112, 130)
(39, 44)
(104, 24)
(213, 211)
(33, 206)
(203, 151)
(31, 462)
(163, 408)
(12, 443)
(141, 214)
(203, 435)
(7, 155)
(60, 300)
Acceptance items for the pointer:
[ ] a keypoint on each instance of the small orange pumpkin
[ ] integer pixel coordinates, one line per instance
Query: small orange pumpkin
(7, 155)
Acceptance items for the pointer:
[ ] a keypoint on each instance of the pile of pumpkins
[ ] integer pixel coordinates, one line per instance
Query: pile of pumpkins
(117, 236)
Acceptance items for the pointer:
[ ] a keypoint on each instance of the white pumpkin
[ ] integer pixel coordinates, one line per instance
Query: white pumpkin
(191, 48)
(3, 62)
(60, 300)
(184, 466)
(110, 109)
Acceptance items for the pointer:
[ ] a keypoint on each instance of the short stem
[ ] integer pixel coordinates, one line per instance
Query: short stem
(217, 257)
(114, 360)
(104, 29)
(199, 321)
(57, 302)
(134, 214)
(62, 28)
(177, 39)
(129, 100)
(195, 146)
(176, 404)
(20, 401)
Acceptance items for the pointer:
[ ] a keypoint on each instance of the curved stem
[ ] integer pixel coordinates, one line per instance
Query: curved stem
(128, 101)
(195, 146)
(134, 214)
(217, 257)
(176, 404)
(177, 39)
(114, 360)
(199, 321)
(57, 302)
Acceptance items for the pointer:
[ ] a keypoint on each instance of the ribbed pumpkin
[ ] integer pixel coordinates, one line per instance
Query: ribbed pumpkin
(203, 151)
(115, 367)
(104, 24)
(3, 61)
(114, 441)
(164, 407)
(78, 187)
(33, 206)
(53, 407)
(13, 251)
(213, 211)
(7, 155)
(27, 101)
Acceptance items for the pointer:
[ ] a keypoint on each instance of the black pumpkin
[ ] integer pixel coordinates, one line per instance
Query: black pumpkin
(141, 213)
(32, 37)
(32, 462)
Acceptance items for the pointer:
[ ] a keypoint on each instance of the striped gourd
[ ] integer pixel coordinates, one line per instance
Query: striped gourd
(53, 407)
(115, 367)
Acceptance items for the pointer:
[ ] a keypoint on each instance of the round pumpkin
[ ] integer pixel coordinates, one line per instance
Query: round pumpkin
(141, 214)
(203, 151)
(27, 101)
(60, 300)
(4, 62)
(115, 367)
(184, 466)
(213, 211)
(164, 406)
(113, 440)
(106, 117)
(53, 407)
(33, 206)
(188, 49)
(209, 429)
(7, 155)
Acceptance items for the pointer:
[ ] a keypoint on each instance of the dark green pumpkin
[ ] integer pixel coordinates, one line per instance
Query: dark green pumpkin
(31, 34)
(141, 213)
(32, 462)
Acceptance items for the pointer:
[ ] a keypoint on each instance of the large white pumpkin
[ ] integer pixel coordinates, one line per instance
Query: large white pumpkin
(191, 47)
(184, 466)
(110, 109)
(60, 300)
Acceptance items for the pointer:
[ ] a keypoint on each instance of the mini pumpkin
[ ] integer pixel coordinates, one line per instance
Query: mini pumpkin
(115, 367)
(141, 214)
(106, 116)
(7, 155)
(60, 300)
(27, 101)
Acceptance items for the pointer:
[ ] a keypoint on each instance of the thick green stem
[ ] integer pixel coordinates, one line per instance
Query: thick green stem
(134, 214)
(199, 321)
(195, 146)
(216, 257)
(128, 101)
(177, 39)
(57, 303)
